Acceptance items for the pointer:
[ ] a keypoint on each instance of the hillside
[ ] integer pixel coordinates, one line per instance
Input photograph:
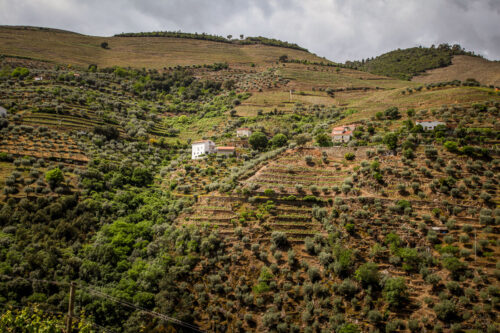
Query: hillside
(149, 52)
(406, 63)
(394, 230)
(462, 68)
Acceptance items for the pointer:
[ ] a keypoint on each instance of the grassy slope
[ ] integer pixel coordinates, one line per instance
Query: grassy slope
(462, 68)
(150, 52)
(303, 79)
(369, 104)
(407, 63)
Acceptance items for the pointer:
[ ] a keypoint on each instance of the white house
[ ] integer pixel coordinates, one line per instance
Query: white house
(226, 151)
(343, 133)
(202, 148)
(429, 125)
(38, 78)
(3, 112)
(346, 136)
(337, 134)
(243, 132)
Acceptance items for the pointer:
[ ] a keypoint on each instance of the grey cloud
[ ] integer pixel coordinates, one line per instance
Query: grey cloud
(337, 29)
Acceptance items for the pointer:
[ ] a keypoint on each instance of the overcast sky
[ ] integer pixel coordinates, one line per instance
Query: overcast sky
(336, 29)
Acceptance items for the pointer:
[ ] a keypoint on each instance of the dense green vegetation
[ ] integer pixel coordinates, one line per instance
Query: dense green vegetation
(406, 63)
(396, 229)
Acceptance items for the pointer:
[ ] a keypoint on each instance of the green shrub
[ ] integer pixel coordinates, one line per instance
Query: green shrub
(323, 140)
(279, 140)
(258, 140)
(349, 156)
(348, 288)
(455, 266)
(433, 279)
(445, 310)
(20, 72)
(394, 326)
(269, 192)
(279, 238)
(312, 198)
(395, 291)
(413, 325)
(263, 282)
(451, 146)
(314, 274)
(391, 140)
(368, 274)
(349, 328)
(392, 113)
(54, 177)
(375, 316)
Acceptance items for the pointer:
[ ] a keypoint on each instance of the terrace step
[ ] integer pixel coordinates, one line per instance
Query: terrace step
(292, 225)
(293, 210)
(292, 218)
(292, 222)
(212, 218)
(298, 232)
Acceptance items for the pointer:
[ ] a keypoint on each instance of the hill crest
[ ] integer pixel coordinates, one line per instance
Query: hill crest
(407, 63)
(140, 51)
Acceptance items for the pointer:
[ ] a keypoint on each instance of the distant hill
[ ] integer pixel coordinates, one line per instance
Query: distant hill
(462, 68)
(407, 63)
(65, 47)
(215, 38)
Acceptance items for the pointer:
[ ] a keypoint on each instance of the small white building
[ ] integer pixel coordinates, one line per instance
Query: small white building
(429, 125)
(226, 151)
(343, 133)
(243, 132)
(347, 136)
(38, 78)
(201, 148)
(337, 134)
(3, 112)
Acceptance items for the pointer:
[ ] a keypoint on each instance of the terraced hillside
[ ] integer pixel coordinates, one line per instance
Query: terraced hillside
(395, 230)
(63, 47)
(303, 171)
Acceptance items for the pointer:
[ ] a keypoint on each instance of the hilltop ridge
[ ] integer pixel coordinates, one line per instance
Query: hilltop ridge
(63, 47)
(407, 63)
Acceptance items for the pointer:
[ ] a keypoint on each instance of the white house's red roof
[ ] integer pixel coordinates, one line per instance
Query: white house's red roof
(342, 130)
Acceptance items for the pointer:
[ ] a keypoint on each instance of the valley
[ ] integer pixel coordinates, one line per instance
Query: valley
(393, 227)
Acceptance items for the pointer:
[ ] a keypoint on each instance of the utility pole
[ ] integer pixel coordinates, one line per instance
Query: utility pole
(70, 307)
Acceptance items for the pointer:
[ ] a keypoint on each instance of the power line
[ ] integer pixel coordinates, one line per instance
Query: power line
(151, 313)
(113, 299)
